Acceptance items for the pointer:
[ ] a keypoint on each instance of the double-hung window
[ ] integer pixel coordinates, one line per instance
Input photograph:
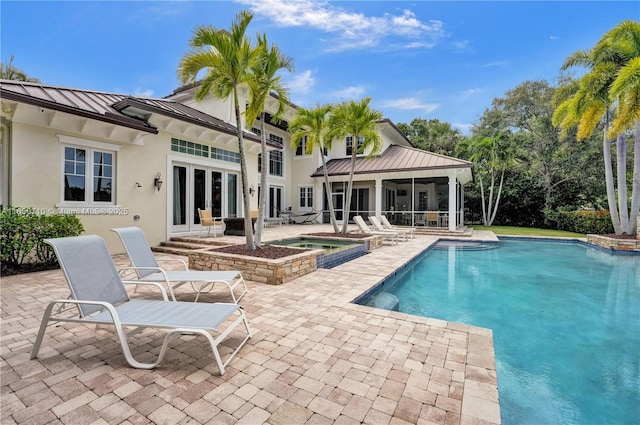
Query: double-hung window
(88, 174)
(306, 197)
(350, 145)
(276, 161)
(301, 149)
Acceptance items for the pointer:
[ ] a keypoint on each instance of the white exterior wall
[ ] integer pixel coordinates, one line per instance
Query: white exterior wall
(37, 181)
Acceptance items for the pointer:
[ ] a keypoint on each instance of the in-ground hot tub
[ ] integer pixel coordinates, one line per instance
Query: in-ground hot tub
(335, 251)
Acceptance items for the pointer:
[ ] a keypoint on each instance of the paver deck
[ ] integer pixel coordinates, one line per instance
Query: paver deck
(315, 358)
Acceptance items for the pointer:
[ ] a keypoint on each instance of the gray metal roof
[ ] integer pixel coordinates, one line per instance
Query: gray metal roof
(395, 158)
(111, 107)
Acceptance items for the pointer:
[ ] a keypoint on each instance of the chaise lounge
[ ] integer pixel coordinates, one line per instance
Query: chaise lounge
(100, 298)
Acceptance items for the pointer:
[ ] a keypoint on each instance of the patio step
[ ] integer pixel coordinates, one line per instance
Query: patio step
(438, 231)
(185, 245)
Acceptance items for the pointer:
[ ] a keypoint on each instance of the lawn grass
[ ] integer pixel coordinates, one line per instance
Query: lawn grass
(527, 231)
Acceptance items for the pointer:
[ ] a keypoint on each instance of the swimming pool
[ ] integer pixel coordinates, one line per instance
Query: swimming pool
(336, 251)
(565, 320)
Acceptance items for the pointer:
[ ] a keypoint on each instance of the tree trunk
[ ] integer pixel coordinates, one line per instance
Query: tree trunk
(635, 183)
(248, 228)
(262, 200)
(621, 159)
(495, 206)
(327, 187)
(608, 173)
(484, 204)
(347, 201)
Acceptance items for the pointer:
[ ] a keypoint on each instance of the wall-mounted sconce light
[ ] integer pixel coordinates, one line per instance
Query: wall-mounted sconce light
(157, 182)
(252, 189)
(138, 185)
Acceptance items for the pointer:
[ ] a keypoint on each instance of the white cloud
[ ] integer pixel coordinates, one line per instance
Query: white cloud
(352, 30)
(142, 92)
(410, 103)
(554, 37)
(498, 64)
(350, 93)
(302, 83)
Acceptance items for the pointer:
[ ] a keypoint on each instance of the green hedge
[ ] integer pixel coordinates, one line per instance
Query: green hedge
(22, 231)
(593, 222)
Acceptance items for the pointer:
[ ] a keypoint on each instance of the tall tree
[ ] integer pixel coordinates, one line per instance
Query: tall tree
(360, 121)
(229, 59)
(266, 79)
(591, 101)
(10, 72)
(492, 156)
(310, 125)
(626, 91)
(432, 135)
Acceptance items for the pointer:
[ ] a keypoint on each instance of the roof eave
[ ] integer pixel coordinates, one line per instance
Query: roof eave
(109, 118)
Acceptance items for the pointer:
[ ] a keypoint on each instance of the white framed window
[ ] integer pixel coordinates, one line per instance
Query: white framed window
(301, 149)
(306, 197)
(88, 172)
(276, 163)
(349, 145)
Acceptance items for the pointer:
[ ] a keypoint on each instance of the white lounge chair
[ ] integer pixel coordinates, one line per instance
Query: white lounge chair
(404, 234)
(388, 226)
(391, 236)
(98, 294)
(147, 269)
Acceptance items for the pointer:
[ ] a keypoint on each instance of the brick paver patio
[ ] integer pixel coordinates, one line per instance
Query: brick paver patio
(315, 358)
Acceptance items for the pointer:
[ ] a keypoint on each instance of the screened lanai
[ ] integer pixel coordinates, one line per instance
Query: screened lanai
(410, 186)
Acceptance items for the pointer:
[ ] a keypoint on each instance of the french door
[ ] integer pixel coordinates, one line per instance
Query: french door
(201, 187)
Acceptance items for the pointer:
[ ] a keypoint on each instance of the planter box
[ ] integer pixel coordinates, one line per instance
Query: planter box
(264, 270)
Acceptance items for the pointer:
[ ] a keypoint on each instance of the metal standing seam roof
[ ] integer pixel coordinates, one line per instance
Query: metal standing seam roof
(108, 107)
(394, 158)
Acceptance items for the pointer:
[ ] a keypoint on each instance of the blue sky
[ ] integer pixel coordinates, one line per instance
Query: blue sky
(428, 59)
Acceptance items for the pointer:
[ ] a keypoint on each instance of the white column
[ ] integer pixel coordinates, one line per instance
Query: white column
(452, 202)
(378, 197)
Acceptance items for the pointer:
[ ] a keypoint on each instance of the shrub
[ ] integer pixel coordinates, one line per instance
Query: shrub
(23, 230)
(594, 222)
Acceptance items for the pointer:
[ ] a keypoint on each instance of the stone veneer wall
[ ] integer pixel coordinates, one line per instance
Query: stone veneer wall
(614, 244)
(273, 272)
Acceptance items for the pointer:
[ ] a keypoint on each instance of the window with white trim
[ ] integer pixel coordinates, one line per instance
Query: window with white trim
(275, 163)
(350, 144)
(89, 175)
(301, 149)
(306, 197)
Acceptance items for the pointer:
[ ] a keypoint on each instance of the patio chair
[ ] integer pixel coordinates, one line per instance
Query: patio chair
(98, 294)
(147, 269)
(404, 234)
(212, 223)
(420, 220)
(432, 218)
(386, 225)
(363, 228)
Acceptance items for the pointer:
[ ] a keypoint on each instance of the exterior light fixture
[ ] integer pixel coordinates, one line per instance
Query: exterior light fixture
(157, 182)
(252, 189)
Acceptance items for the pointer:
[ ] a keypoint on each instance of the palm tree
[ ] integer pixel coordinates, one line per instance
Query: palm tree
(265, 81)
(10, 72)
(228, 58)
(626, 91)
(312, 125)
(593, 100)
(492, 156)
(358, 120)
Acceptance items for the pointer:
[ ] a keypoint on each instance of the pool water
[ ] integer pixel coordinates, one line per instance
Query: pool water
(565, 320)
(328, 245)
(336, 251)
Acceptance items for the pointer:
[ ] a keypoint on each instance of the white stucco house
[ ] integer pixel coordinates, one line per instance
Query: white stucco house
(117, 160)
